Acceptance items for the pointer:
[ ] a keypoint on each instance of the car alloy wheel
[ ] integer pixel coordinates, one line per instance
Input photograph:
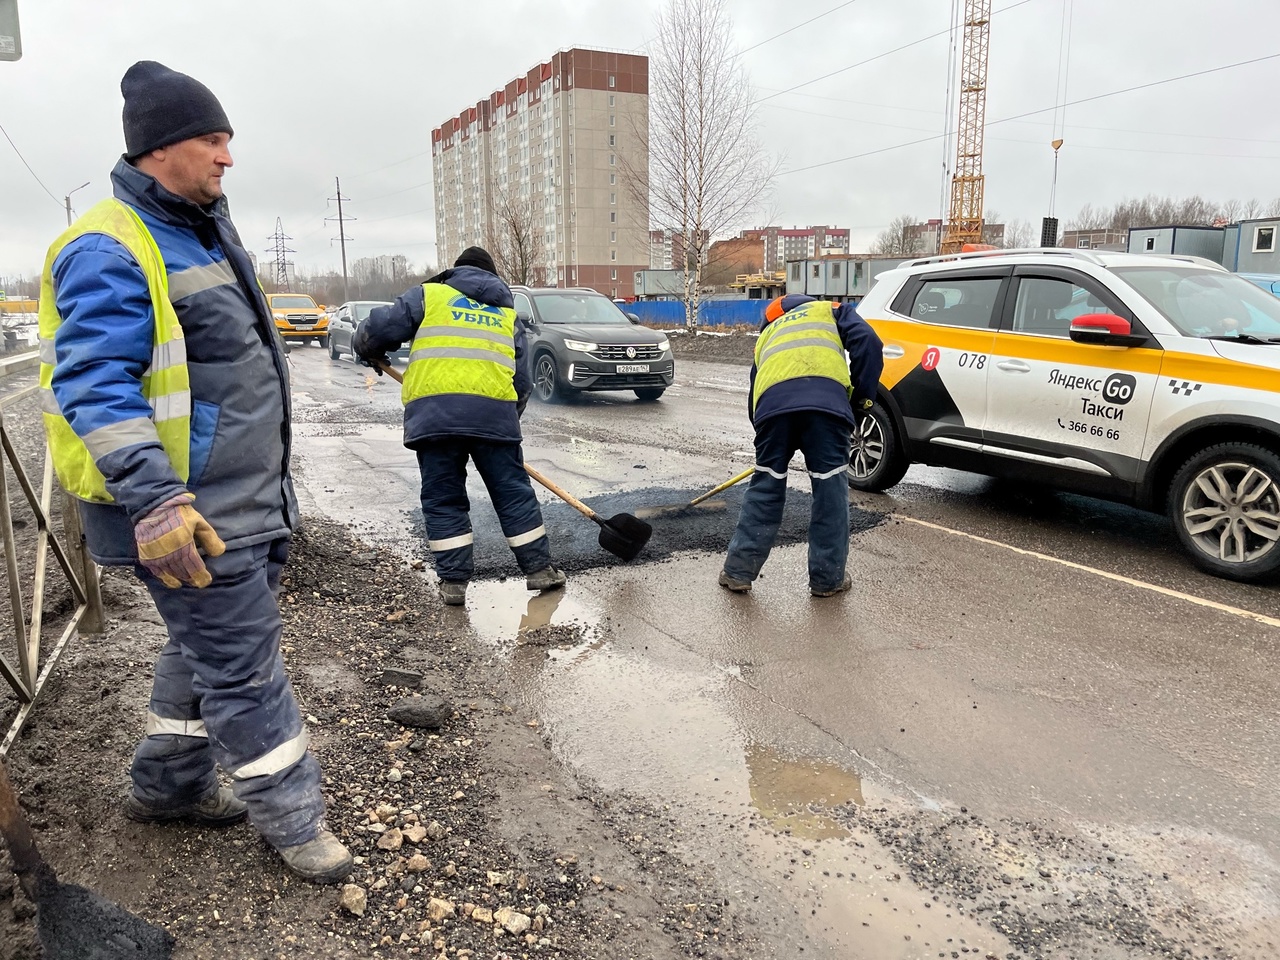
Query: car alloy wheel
(1231, 512)
(545, 381)
(866, 448)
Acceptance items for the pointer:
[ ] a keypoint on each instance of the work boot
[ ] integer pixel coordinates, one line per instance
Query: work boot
(218, 809)
(845, 584)
(322, 860)
(453, 593)
(737, 586)
(548, 578)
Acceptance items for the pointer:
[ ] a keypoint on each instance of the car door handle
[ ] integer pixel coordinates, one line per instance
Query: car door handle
(893, 352)
(1013, 366)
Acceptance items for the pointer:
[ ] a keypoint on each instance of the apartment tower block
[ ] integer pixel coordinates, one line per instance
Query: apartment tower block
(546, 152)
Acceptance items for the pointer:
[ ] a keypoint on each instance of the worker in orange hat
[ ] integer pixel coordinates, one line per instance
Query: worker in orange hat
(816, 363)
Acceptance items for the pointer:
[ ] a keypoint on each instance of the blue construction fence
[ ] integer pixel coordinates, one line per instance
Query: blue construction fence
(711, 313)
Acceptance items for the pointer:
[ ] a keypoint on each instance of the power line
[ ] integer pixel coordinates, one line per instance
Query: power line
(393, 193)
(28, 166)
(881, 56)
(1031, 113)
(393, 163)
(797, 26)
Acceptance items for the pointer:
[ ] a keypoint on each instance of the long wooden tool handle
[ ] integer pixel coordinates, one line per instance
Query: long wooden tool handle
(724, 486)
(564, 495)
(15, 829)
(391, 371)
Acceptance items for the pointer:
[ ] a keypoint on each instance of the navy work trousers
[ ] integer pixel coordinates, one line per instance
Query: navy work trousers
(824, 441)
(220, 698)
(446, 508)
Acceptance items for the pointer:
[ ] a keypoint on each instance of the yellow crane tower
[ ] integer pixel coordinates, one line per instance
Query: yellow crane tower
(964, 219)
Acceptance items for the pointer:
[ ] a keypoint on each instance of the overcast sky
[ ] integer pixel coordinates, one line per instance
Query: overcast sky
(327, 88)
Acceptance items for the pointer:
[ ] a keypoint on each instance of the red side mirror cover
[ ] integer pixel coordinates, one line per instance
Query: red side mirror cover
(1107, 323)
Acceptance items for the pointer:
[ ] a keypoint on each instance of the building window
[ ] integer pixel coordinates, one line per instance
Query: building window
(611, 119)
(613, 198)
(1083, 243)
(1151, 243)
(611, 99)
(817, 270)
(613, 141)
(613, 178)
(611, 159)
(795, 271)
(835, 271)
(613, 254)
(613, 217)
(613, 236)
(1264, 239)
(613, 274)
(611, 83)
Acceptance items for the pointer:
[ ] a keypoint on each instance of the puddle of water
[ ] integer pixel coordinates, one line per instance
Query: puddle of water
(790, 793)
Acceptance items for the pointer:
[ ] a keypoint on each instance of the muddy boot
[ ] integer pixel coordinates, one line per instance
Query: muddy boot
(548, 578)
(844, 585)
(737, 586)
(322, 860)
(453, 593)
(219, 809)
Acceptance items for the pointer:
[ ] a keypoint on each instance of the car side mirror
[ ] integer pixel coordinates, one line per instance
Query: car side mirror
(633, 318)
(526, 319)
(1104, 329)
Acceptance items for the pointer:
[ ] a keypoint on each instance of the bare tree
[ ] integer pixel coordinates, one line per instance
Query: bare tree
(513, 237)
(1251, 209)
(1019, 234)
(899, 239)
(707, 169)
(1272, 209)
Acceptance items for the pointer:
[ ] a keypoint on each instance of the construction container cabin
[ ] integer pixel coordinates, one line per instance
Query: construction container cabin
(1252, 246)
(837, 278)
(1190, 241)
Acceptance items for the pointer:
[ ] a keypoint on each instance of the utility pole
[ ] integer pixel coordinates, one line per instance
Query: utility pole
(280, 250)
(67, 200)
(342, 237)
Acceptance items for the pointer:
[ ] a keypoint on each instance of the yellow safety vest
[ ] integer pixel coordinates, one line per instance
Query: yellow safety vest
(166, 384)
(804, 342)
(462, 346)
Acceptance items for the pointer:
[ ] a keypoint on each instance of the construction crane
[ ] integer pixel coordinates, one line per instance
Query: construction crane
(964, 219)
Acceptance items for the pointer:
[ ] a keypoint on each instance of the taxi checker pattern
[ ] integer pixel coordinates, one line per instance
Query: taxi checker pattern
(1156, 406)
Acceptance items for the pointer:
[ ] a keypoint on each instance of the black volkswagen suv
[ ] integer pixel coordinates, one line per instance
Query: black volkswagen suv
(580, 340)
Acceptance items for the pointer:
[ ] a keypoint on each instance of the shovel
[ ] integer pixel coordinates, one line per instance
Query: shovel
(73, 923)
(682, 507)
(622, 534)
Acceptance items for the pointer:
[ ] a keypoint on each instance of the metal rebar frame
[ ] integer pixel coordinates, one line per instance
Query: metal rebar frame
(25, 675)
(964, 222)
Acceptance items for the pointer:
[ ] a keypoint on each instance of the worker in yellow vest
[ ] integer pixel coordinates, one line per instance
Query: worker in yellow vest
(816, 365)
(166, 404)
(464, 391)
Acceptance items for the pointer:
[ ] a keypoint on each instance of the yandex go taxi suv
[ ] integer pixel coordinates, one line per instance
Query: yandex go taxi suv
(1151, 380)
(298, 317)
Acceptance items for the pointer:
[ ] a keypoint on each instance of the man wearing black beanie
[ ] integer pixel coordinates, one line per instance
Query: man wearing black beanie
(464, 391)
(165, 386)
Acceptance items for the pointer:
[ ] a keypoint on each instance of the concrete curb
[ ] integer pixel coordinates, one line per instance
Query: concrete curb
(19, 363)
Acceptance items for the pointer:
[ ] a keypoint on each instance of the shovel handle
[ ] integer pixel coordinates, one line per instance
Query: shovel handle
(15, 829)
(564, 495)
(391, 372)
(732, 481)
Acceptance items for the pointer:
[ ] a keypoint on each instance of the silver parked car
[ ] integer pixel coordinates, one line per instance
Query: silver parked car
(343, 322)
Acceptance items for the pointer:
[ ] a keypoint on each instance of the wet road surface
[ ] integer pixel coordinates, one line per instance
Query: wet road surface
(1032, 728)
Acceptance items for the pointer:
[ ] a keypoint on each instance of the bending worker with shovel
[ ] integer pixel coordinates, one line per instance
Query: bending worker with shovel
(803, 394)
(464, 391)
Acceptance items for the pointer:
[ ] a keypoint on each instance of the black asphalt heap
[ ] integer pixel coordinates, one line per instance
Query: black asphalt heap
(574, 545)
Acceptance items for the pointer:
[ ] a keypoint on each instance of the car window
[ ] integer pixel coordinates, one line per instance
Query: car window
(523, 305)
(1207, 303)
(957, 302)
(362, 310)
(1047, 305)
(579, 308)
(293, 303)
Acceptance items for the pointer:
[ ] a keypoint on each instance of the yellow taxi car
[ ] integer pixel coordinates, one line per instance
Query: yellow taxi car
(298, 317)
(1150, 380)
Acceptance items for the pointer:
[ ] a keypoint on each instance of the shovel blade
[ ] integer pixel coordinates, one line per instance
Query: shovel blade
(624, 535)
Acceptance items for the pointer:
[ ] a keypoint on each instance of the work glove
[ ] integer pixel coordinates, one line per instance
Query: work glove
(520, 406)
(376, 362)
(167, 539)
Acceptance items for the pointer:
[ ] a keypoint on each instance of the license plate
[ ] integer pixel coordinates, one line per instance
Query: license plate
(633, 368)
(304, 326)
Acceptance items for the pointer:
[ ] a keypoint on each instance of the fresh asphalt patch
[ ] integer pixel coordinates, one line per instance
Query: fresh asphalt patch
(575, 543)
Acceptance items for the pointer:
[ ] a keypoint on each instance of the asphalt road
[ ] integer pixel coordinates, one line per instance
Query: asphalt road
(1031, 729)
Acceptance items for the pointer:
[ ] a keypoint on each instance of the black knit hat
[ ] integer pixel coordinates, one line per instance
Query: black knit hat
(162, 107)
(476, 257)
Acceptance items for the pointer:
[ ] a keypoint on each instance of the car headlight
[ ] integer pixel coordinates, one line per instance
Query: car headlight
(664, 345)
(583, 346)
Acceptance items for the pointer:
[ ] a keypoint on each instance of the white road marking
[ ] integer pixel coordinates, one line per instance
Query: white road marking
(1119, 578)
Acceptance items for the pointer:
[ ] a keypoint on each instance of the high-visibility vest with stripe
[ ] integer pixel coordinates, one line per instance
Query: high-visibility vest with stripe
(166, 384)
(804, 342)
(461, 347)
